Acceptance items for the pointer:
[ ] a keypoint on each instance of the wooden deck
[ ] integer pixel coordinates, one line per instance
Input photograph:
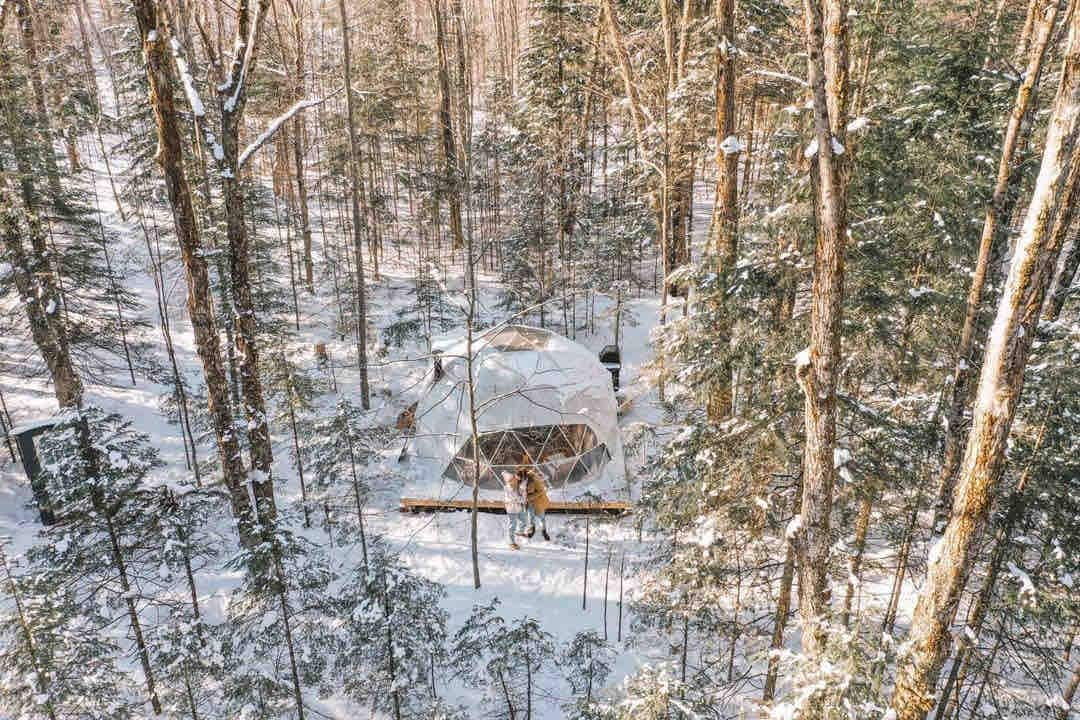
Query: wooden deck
(418, 505)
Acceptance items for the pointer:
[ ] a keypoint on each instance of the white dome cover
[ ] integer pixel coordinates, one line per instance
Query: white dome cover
(525, 377)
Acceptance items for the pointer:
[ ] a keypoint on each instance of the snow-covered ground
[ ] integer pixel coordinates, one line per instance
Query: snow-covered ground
(545, 580)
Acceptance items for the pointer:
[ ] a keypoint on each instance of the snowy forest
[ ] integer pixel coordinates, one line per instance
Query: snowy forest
(515, 359)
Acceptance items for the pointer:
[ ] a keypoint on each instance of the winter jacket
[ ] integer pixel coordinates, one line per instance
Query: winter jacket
(513, 495)
(537, 492)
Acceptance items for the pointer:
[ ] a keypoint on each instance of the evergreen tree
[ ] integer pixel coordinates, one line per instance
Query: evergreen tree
(587, 662)
(279, 628)
(57, 658)
(394, 639)
(339, 449)
(506, 660)
(107, 546)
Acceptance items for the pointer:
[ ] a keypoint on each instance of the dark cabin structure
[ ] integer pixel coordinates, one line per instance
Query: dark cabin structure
(26, 439)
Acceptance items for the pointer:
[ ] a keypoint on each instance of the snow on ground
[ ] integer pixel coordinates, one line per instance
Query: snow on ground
(546, 580)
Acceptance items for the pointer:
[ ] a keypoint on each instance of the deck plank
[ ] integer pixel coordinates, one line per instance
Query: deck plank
(418, 505)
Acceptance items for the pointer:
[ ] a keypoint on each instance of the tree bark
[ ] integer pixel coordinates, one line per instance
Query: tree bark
(29, 44)
(783, 609)
(200, 311)
(232, 99)
(357, 219)
(991, 236)
(1065, 223)
(298, 147)
(446, 127)
(725, 222)
(35, 283)
(622, 59)
(862, 524)
(817, 367)
(1069, 693)
(1000, 385)
(977, 614)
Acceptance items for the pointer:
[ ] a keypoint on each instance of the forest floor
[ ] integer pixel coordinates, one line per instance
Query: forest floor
(544, 580)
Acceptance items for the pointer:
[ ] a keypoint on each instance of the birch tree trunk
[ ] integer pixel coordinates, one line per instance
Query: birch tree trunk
(1065, 223)
(991, 236)
(1000, 385)
(1015, 505)
(817, 366)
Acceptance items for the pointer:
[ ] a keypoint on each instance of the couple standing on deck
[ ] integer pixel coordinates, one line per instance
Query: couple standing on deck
(526, 500)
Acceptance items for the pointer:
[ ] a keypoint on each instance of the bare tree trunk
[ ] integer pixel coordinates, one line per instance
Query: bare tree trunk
(129, 600)
(446, 125)
(232, 99)
(1069, 693)
(290, 406)
(354, 193)
(622, 575)
(817, 366)
(23, 12)
(294, 671)
(725, 221)
(585, 572)
(200, 311)
(298, 148)
(862, 524)
(607, 578)
(1003, 187)
(470, 320)
(1000, 386)
(622, 59)
(1014, 508)
(1065, 221)
(783, 609)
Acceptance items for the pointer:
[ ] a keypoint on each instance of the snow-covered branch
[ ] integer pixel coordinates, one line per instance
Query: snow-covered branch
(276, 124)
(785, 77)
(194, 101)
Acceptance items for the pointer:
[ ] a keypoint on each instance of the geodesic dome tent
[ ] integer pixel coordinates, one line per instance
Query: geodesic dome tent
(541, 399)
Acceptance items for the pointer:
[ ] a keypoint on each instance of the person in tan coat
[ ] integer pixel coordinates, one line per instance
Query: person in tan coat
(536, 500)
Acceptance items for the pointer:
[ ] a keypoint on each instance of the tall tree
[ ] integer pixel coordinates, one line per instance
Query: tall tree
(452, 170)
(997, 209)
(232, 99)
(817, 367)
(35, 281)
(355, 181)
(160, 79)
(725, 221)
(1000, 384)
(28, 36)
